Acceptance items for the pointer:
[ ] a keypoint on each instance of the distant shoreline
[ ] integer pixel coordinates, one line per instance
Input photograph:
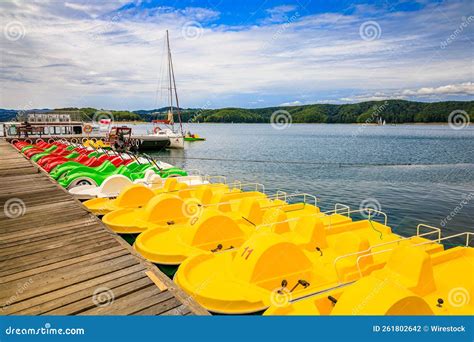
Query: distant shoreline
(293, 123)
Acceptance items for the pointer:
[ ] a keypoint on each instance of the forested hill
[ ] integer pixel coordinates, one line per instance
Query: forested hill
(392, 111)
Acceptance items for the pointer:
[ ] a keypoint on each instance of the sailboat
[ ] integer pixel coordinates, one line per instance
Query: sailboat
(166, 127)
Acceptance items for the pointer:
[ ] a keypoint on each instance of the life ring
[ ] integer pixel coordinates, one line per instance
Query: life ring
(74, 140)
(84, 140)
(137, 142)
(51, 140)
(87, 128)
(28, 141)
(14, 141)
(94, 140)
(156, 130)
(37, 141)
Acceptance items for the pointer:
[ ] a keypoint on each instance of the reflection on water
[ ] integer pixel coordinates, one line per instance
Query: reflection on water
(430, 174)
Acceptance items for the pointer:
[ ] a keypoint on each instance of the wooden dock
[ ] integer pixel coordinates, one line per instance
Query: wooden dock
(58, 259)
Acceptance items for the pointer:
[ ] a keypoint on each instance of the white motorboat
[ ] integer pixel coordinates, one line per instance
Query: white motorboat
(166, 130)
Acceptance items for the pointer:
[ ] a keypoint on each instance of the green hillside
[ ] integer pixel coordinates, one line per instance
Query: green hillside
(392, 111)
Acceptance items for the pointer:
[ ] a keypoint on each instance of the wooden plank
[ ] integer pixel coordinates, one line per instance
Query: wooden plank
(119, 287)
(156, 280)
(142, 299)
(158, 307)
(178, 311)
(81, 300)
(58, 263)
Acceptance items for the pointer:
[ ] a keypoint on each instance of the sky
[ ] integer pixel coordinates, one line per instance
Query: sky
(262, 53)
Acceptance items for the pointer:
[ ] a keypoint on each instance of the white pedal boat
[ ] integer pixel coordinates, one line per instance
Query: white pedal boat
(113, 185)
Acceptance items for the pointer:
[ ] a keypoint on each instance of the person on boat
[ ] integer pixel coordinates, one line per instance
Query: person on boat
(120, 142)
(27, 127)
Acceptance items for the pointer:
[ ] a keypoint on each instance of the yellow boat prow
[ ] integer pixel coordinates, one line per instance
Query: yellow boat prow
(133, 196)
(414, 281)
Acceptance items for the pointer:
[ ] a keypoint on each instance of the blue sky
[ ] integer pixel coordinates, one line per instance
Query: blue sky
(109, 54)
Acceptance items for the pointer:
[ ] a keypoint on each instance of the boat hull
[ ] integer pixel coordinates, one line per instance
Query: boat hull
(176, 142)
(151, 143)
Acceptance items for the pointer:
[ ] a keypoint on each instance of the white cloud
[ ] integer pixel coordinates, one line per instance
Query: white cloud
(91, 55)
(292, 103)
(466, 88)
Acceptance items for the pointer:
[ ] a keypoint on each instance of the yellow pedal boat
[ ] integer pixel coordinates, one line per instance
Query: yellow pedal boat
(413, 282)
(168, 210)
(218, 231)
(272, 267)
(138, 195)
(96, 143)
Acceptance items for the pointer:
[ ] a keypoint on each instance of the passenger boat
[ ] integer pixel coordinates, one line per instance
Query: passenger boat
(49, 126)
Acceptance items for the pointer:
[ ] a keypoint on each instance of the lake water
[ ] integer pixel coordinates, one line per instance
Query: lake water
(414, 173)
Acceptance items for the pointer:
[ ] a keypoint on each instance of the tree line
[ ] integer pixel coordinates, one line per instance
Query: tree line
(390, 111)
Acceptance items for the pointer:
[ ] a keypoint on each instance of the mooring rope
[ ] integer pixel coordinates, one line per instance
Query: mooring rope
(304, 162)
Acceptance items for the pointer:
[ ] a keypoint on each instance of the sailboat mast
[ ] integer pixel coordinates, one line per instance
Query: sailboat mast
(170, 88)
(174, 84)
